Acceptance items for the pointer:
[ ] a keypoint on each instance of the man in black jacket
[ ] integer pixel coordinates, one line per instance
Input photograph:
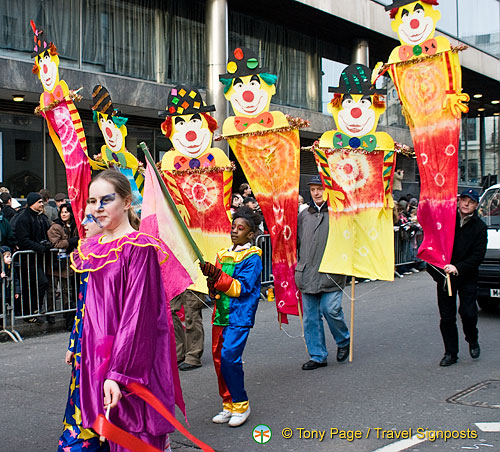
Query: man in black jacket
(31, 232)
(469, 248)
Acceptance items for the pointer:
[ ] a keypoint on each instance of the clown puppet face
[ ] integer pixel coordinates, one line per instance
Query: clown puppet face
(250, 95)
(113, 136)
(48, 70)
(355, 114)
(415, 22)
(190, 134)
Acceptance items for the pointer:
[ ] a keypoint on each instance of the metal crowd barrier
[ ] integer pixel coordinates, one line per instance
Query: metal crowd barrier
(40, 285)
(263, 241)
(405, 246)
(404, 252)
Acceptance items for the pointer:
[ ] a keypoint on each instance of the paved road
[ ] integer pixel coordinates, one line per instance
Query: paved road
(394, 382)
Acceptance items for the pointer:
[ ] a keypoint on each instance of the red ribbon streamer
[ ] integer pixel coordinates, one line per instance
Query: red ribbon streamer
(134, 444)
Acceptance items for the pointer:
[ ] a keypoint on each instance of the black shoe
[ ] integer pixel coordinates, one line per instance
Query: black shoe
(448, 360)
(311, 365)
(51, 319)
(474, 350)
(186, 366)
(342, 353)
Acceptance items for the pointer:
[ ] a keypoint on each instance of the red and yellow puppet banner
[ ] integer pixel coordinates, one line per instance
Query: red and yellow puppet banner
(428, 78)
(64, 123)
(199, 178)
(266, 145)
(356, 165)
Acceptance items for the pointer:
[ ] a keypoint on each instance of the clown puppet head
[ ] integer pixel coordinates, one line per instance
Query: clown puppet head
(414, 21)
(46, 60)
(357, 105)
(247, 87)
(110, 122)
(188, 124)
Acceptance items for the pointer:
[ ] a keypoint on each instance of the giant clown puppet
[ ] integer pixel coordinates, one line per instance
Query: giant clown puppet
(266, 144)
(356, 164)
(427, 74)
(63, 122)
(198, 176)
(114, 153)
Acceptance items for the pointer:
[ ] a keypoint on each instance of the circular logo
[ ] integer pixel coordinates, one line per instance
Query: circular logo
(261, 434)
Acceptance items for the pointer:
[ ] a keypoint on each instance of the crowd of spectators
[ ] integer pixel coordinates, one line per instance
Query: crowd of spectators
(39, 224)
(410, 235)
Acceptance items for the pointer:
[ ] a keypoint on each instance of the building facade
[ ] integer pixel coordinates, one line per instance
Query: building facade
(139, 49)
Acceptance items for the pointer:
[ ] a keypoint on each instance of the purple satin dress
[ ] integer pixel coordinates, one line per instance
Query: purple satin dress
(125, 333)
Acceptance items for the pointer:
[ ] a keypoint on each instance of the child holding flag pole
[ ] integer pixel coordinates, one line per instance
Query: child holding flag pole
(234, 281)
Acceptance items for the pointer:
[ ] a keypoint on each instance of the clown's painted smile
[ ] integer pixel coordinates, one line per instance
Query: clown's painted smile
(415, 27)
(190, 137)
(416, 38)
(112, 134)
(48, 73)
(249, 99)
(356, 118)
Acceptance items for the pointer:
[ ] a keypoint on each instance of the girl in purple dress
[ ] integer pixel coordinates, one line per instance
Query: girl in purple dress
(126, 337)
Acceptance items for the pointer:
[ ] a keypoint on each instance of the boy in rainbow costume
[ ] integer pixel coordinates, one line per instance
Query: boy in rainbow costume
(234, 280)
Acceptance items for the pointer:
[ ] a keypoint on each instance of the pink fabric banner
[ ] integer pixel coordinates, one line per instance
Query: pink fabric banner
(78, 173)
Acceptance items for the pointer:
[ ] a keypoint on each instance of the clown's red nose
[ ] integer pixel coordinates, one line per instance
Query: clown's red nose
(109, 132)
(414, 23)
(247, 96)
(45, 69)
(191, 135)
(356, 112)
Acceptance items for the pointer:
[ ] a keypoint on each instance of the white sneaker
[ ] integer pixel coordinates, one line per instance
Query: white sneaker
(414, 270)
(238, 419)
(223, 417)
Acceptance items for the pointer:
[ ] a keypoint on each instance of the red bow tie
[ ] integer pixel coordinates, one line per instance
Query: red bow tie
(58, 94)
(264, 119)
(428, 47)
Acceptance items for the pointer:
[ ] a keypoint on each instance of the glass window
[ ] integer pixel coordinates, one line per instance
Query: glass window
(153, 40)
(22, 153)
(449, 18)
(331, 71)
(479, 26)
(489, 207)
(60, 20)
(285, 52)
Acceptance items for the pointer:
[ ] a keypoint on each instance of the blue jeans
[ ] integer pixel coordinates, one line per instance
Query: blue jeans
(329, 306)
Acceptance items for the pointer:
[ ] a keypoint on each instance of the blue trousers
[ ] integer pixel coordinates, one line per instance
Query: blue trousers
(329, 306)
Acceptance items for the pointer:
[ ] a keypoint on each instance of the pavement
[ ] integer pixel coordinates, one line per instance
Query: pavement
(393, 396)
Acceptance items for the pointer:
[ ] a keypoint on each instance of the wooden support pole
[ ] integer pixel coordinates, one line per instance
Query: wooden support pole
(353, 282)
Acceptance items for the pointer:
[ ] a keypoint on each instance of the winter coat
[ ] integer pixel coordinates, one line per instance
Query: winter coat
(8, 212)
(31, 229)
(312, 234)
(469, 249)
(7, 237)
(62, 236)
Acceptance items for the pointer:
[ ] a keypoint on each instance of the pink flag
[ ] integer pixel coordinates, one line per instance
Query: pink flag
(158, 220)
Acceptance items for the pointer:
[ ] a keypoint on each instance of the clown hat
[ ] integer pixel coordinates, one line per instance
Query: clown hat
(242, 62)
(102, 101)
(399, 3)
(356, 79)
(40, 43)
(185, 100)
